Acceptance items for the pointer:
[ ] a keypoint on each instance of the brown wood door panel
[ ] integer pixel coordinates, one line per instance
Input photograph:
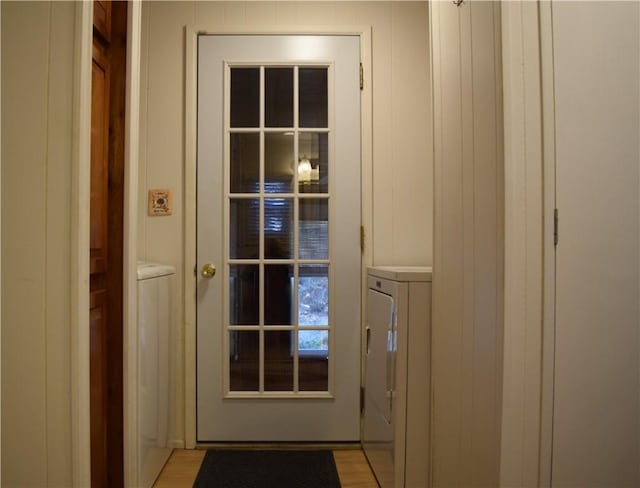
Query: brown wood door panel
(98, 239)
(100, 79)
(102, 18)
(106, 243)
(98, 378)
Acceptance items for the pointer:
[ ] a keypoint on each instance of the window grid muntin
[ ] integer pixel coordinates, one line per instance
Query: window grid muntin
(295, 261)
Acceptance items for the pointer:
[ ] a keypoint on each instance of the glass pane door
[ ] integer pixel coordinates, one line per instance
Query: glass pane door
(278, 214)
(278, 314)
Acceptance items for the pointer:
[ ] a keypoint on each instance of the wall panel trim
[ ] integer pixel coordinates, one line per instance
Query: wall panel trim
(81, 461)
(520, 457)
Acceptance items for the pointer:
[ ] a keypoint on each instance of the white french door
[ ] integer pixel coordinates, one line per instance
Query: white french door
(278, 324)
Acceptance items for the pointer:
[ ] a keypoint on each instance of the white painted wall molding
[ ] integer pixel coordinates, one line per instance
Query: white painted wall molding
(190, 185)
(520, 442)
(545, 39)
(81, 182)
(467, 349)
(130, 234)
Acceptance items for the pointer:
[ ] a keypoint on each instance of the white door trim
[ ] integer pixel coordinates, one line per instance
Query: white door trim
(80, 185)
(548, 324)
(529, 325)
(192, 32)
(80, 222)
(130, 238)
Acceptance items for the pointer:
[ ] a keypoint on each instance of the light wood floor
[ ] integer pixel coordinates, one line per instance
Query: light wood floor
(183, 465)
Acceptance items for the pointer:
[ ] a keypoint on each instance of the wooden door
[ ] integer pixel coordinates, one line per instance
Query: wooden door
(106, 213)
(100, 79)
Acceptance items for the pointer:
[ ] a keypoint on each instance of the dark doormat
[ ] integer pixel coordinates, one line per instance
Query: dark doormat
(267, 469)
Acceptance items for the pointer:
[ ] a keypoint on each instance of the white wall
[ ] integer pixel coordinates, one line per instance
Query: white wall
(571, 119)
(596, 412)
(402, 186)
(402, 193)
(37, 126)
(469, 242)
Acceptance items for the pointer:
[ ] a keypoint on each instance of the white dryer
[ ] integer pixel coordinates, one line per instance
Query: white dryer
(397, 375)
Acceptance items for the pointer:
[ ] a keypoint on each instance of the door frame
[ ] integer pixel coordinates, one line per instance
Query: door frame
(530, 166)
(81, 180)
(130, 244)
(191, 76)
(79, 236)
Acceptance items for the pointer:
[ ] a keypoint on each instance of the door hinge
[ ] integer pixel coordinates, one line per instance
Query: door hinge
(362, 238)
(362, 399)
(555, 226)
(361, 77)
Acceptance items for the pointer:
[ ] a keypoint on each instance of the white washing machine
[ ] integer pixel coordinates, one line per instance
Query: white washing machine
(397, 375)
(156, 323)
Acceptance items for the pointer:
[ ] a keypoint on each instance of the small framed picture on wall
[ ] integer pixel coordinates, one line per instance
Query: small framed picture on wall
(160, 202)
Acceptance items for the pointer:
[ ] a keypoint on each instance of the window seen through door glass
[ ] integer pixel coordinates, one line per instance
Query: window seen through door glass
(278, 162)
(278, 228)
(313, 294)
(313, 229)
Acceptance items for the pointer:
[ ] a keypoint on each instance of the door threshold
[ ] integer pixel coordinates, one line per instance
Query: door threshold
(301, 446)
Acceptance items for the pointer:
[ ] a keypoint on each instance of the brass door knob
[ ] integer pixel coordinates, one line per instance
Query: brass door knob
(208, 271)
